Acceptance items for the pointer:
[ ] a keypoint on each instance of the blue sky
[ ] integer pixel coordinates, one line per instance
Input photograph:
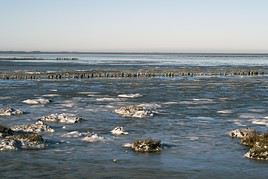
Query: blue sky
(134, 25)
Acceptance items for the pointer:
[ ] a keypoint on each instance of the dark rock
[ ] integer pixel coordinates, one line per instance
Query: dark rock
(145, 145)
(4, 131)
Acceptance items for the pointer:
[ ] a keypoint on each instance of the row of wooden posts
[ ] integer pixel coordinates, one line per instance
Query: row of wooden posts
(119, 74)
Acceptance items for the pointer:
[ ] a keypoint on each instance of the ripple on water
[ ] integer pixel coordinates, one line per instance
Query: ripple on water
(226, 111)
(250, 115)
(256, 110)
(50, 95)
(136, 95)
(108, 99)
(68, 103)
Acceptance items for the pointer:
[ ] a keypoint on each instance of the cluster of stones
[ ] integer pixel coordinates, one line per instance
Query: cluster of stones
(27, 136)
(257, 142)
(7, 111)
(66, 118)
(136, 111)
(12, 140)
(37, 127)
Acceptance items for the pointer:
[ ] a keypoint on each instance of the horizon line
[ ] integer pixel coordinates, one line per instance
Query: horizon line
(125, 52)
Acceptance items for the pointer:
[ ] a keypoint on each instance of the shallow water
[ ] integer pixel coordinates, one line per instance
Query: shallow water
(150, 59)
(194, 117)
(189, 123)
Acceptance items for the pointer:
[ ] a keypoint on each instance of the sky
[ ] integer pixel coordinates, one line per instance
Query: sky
(134, 25)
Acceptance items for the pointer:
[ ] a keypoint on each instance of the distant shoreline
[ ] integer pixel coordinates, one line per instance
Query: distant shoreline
(136, 53)
(36, 58)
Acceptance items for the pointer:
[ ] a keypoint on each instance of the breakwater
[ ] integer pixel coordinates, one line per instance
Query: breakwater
(137, 73)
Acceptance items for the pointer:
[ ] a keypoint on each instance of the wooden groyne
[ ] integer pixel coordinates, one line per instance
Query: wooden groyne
(140, 73)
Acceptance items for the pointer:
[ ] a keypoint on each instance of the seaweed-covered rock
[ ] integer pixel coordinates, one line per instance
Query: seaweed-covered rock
(137, 111)
(119, 131)
(145, 145)
(38, 127)
(27, 141)
(13, 140)
(241, 133)
(258, 143)
(259, 147)
(66, 118)
(7, 111)
(38, 101)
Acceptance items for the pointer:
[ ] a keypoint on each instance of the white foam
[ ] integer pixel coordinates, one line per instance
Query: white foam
(136, 95)
(87, 92)
(193, 138)
(68, 104)
(170, 102)
(250, 116)
(107, 99)
(149, 105)
(203, 118)
(36, 101)
(257, 110)
(227, 111)
(260, 121)
(187, 102)
(109, 106)
(202, 99)
(32, 72)
(224, 99)
(237, 122)
(50, 95)
(93, 138)
(75, 134)
(128, 145)
(119, 131)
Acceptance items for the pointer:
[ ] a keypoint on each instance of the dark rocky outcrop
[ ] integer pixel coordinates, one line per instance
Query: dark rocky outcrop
(145, 146)
(12, 140)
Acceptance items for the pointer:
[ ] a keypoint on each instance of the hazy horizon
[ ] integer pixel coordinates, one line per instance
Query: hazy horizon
(171, 26)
